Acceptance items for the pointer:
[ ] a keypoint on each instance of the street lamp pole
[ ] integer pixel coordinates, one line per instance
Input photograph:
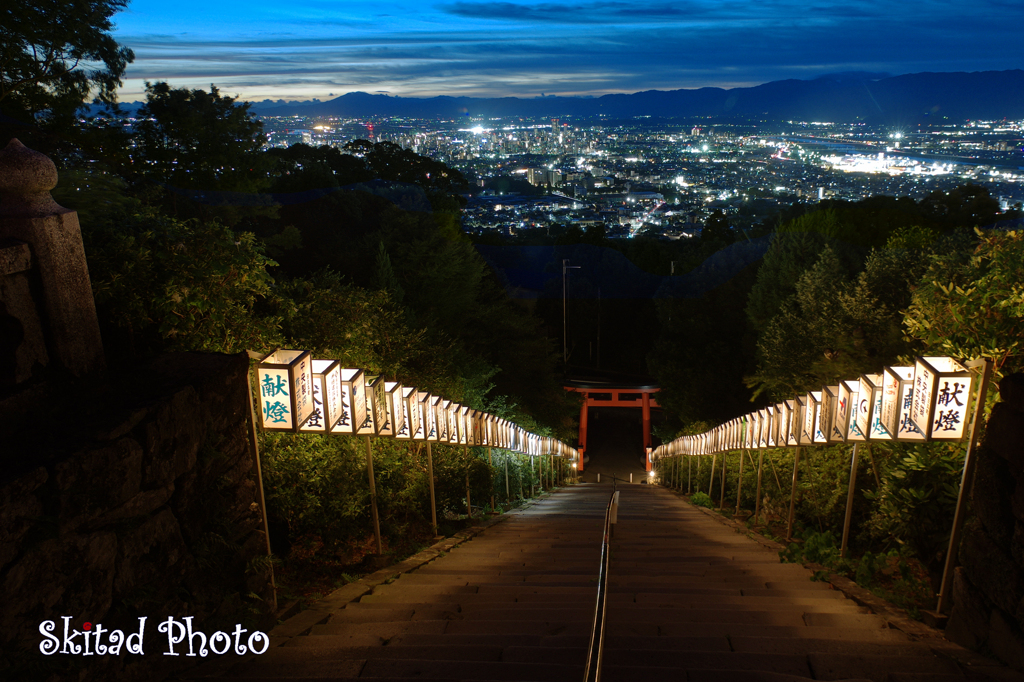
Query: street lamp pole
(565, 344)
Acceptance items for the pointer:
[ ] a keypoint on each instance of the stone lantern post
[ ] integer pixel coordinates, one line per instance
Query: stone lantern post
(47, 312)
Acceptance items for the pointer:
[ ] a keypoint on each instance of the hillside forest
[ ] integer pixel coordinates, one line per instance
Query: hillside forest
(200, 239)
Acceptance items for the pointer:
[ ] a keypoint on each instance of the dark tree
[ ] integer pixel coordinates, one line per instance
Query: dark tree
(204, 150)
(55, 54)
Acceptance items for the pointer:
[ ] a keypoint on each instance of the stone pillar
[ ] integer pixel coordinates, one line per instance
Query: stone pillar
(47, 312)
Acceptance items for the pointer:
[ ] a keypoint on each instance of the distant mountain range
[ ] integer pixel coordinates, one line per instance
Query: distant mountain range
(846, 97)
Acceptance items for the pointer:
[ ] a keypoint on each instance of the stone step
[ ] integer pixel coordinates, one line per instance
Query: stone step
(541, 588)
(737, 604)
(698, 629)
(624, 674)
(786, 645)
(547, 628)
(357, 616)
(464, 670)
(874, 667)
(321, 648)
(381, 629)
(784, 664)
(690, 600)
(655, 598)
(622, 604)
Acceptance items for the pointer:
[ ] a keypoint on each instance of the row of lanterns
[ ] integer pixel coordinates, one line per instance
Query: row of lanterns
(924, 402)
(299, 394)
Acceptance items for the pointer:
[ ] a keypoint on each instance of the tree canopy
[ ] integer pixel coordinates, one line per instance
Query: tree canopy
(203, 146)
(55, 54)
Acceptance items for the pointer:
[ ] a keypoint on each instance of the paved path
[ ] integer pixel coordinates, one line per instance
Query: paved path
(689, 599)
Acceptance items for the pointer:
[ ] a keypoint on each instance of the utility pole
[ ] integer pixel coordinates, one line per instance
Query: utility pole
(565, 343)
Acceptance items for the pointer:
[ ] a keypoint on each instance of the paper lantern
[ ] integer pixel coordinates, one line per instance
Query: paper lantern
(440, 423)
(479, 432)
(383, 418)
(853, 431)
(428, 423)
(396, 414)
(942, 393)
(812, 433)
(897, 400)
(286, 389)
(351, 401)
(463, 418)
(410, 413)
(827, 412)
(792, 422)
(319, 421)
(869, 412)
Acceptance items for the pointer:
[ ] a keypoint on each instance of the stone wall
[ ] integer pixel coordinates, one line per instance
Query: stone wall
(988, 586)
(146, 506)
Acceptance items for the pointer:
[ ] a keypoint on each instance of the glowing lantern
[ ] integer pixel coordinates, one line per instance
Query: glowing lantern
(319, 421)
(351, 401)
(428, 423)
(779, 424)
(834, 408)
(286, 389)
(464, 424)
(942, 392)
(853, 431)
(383, 419)
(870, 410)
(443, 423)
(439, 433)
(393, 396)
(410, 413)
(792, 422)
(897, 399)
(812, 433)
(480, 428)
(827, 412)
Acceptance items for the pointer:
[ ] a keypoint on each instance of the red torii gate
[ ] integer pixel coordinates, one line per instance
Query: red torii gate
(600, 395)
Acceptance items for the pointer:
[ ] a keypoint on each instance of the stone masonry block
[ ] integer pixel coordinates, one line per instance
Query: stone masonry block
(1004, 435)
(1006, 640)
(969, 622)
(173, 437)
(990, 568)
(20, 506)
(992, 496)
(67, 576)
(92, 482)
(150, 554)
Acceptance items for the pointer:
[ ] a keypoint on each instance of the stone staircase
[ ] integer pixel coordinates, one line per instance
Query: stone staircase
(688, 599)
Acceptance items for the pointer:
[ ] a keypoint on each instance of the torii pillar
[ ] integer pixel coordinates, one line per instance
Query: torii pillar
(583, 433)
(647, 429)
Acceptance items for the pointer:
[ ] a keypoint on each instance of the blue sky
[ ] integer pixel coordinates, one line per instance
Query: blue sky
(320, 48)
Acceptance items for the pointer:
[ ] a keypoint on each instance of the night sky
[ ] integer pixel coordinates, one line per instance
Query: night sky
(259, 49)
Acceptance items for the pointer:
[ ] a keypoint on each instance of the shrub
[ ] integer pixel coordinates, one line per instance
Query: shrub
(700, 499)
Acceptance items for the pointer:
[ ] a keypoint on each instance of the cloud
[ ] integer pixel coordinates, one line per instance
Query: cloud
(588, 13)
(582, 47)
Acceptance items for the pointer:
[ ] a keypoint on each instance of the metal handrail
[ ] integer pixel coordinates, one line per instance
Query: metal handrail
(595, 652)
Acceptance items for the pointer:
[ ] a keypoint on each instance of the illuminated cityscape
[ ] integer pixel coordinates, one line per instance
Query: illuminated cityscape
(667, 178)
